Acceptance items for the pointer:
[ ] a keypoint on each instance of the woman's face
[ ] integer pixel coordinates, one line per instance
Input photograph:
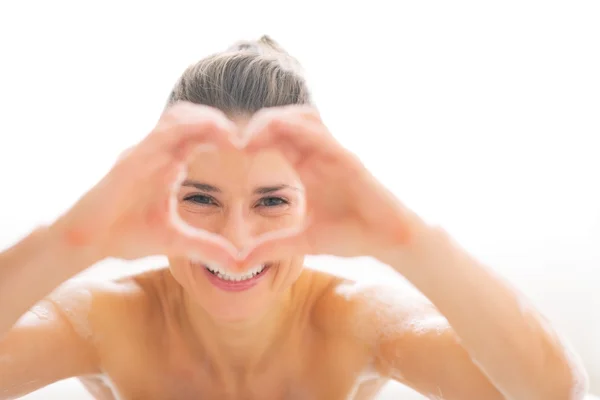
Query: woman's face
(240, 197)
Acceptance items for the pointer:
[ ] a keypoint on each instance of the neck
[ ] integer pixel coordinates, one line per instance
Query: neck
(240, 344)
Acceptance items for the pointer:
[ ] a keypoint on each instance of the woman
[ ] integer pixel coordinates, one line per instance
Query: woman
(235, 315)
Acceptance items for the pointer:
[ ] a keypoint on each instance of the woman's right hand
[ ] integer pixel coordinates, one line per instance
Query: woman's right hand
(126, 215)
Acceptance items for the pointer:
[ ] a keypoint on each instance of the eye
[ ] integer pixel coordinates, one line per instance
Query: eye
(201, 199)
(272, 202)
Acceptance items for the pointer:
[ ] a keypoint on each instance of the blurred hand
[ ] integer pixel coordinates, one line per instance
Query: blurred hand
(349, 213)
(126, 215)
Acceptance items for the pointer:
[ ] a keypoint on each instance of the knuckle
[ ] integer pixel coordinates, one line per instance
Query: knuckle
(186, 113)
(209, 124)
(202, 122)
(276, 123)
(302, 111)
(315, 116)
(175, 112)
(310, 112)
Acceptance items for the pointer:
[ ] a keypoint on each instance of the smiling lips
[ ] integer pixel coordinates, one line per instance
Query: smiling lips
(232, 282)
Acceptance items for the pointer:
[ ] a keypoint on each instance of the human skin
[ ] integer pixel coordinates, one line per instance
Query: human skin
(296, 334)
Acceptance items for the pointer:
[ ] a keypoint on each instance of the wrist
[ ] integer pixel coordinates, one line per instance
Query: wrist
(58, 243)
(421, 246)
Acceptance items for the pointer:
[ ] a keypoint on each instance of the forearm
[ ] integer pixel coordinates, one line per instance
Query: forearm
(510, 342)
(31, 269)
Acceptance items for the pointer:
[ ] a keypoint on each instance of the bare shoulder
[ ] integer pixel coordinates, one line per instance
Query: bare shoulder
(375, 313)
(99, 311)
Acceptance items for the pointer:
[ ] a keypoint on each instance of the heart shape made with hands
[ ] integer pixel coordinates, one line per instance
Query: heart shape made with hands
(236, 199)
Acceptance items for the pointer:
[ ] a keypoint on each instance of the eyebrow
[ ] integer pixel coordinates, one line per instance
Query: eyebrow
(205, 187)
(275, 188)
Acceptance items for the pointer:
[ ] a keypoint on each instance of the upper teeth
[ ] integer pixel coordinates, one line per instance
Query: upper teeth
(232, 276)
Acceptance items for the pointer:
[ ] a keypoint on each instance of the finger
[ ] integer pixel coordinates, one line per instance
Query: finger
(277, 249)
(271, 125)
(292, 131)
(182, 239)
(187, 126)
(198, 238)
(278, 245)
(200, 245)
(206, 251)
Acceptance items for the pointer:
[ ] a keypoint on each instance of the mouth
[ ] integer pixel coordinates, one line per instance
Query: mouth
(233, 282)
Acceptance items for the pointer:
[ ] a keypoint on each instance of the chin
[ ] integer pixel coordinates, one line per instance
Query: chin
(242, 295)
(226, 295)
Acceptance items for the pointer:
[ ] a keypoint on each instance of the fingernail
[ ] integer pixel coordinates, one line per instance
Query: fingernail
(238, 142)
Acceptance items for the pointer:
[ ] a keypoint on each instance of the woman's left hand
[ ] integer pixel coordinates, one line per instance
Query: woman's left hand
(348, 212)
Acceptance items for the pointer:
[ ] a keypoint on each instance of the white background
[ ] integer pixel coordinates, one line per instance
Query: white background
(483, 116)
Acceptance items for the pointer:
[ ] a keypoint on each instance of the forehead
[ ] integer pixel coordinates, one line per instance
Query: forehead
(236, 168)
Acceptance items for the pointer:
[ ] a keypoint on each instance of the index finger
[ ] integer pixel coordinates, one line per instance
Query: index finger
(185, 126)
(294, 131)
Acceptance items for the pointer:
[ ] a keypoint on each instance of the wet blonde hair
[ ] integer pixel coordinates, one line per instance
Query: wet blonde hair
(248, 76)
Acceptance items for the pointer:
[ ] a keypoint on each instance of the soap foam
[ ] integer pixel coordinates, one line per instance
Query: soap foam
(35, 315)
(41, 312)
(75, 301)
(385, 313)
(391, 311)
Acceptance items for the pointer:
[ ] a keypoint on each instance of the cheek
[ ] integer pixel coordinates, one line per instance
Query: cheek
(256, 222)
(268, 220)
(268, 223)
(208, 220)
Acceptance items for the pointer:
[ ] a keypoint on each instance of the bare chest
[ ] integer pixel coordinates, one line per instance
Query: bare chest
(331, 372)
(361, 387)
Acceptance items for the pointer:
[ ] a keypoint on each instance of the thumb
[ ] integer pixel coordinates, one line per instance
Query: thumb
(206, 251)
(278, 245)
(196, 243)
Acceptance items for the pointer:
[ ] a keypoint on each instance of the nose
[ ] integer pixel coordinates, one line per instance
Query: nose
(236, 228)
